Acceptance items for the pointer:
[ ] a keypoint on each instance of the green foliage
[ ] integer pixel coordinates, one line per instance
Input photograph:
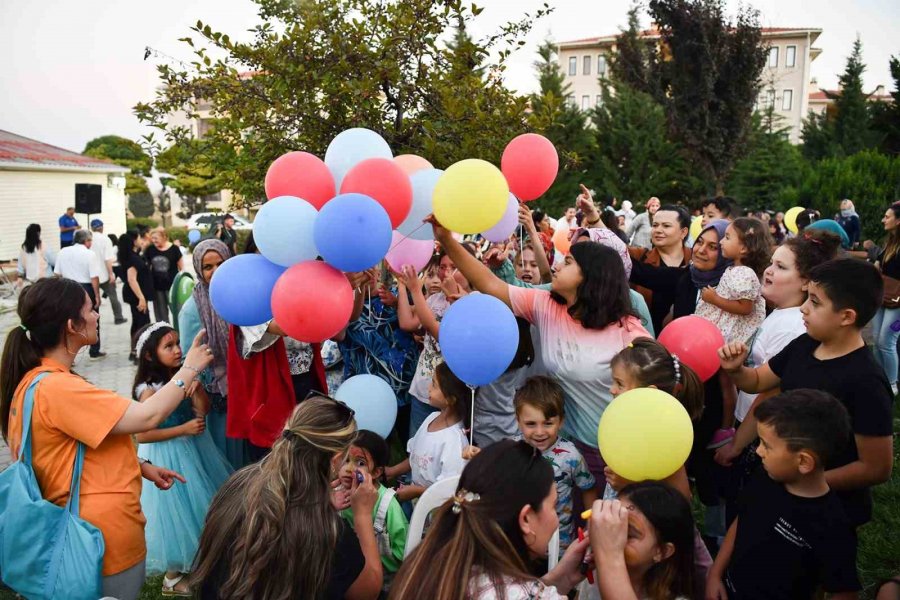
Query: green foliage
(635, 61)
(318, 67)
(886, 115)
(178, 233)
(818, 136)
(140, 221)
(126, 153)
(141, 204)
(851, 123)
(192, 168)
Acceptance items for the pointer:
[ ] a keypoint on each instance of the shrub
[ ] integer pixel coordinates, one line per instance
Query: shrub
(135, 222)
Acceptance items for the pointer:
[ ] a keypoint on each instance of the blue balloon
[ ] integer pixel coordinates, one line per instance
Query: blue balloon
(283, 230)
(423, 183)
(352, 232)
(373, 401)
(194, 236)
(241, 289)
(350, 148)
(479, 337)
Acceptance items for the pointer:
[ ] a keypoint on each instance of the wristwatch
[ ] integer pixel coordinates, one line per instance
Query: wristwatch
(143, 461)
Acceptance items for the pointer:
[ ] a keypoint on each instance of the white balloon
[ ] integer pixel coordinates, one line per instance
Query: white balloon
(373, 401)
(423, 183)
(283, 230)
(350, 148)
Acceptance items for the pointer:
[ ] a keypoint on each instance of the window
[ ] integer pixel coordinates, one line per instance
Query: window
(787, 99)
(573, 65)
(599, 100)
(601, 65)
(770, 99)
(790, 56)
(585, 102)
(586, 70)
(773, 56)
(570, 100)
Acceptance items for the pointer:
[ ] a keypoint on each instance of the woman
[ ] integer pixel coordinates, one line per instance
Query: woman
(640, 229)
(486, 542)
(884, 324)
(544, 231)
(165, 260)
(138, 286)
(34, 261)
(272, 531)
(58, 320)
(849, 220)
(582, 323)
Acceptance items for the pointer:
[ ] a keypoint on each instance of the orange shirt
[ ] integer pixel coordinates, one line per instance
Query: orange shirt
(68, 409)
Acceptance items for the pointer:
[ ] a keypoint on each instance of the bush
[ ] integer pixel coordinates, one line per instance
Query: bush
(137, 221)
(178, 233)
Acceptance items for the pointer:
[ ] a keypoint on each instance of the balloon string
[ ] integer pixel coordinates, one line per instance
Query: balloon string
(406, 237)
(522, 246)
(472, 421)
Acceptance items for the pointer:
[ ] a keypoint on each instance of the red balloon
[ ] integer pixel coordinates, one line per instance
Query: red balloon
(530, 164)
(696, 342)
(312, 301)
(383, 180)
(303, 175)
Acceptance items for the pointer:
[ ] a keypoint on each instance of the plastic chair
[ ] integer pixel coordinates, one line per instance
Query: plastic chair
(433, 497)
(553, 550)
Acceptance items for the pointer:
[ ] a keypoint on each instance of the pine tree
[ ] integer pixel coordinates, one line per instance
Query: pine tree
(851, 125)
(634, 62)
(886, 115)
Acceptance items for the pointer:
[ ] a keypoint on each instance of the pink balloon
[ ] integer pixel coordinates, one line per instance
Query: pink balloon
(312, 301)
(381, 179)
(408, 251)
(530, 165)
(696, 342)
(303, 175)
(410, 163)
(500, 232)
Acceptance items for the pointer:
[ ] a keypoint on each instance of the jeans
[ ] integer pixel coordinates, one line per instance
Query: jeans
(110, 288)
(885, 340)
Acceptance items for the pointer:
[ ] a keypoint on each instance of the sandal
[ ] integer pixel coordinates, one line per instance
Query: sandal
(168, 587)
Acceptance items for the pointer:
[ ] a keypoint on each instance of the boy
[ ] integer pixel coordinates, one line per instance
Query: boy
(540, 414)
(791, 535)
(843, 296)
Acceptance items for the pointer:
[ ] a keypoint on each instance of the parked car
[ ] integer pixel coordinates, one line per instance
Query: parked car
(208, 221)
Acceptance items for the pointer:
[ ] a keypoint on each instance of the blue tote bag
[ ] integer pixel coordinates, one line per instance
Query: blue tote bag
(46, 551)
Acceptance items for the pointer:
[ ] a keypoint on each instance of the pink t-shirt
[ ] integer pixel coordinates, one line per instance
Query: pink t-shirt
(578, 358)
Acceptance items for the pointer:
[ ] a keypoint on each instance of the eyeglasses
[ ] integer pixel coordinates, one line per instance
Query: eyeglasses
(345, 410)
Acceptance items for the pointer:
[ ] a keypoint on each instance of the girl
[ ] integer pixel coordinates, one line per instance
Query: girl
(883, 323)
(138, 288)
(34, 260)
(175, 516)
(435, 452)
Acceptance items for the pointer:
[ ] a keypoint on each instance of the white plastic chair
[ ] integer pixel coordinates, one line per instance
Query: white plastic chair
(434, 496)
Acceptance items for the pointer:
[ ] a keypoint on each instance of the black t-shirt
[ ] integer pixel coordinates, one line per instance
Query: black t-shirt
(347, 564)
(787, 546)
(144, 279)
(859, 383)
(163, 265)
(891, 268)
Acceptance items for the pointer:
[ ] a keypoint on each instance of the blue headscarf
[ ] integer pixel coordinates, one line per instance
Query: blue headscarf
(703, 279)
(832, 227)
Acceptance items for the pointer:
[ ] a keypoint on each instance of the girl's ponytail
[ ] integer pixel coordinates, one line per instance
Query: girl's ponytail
(688, 389)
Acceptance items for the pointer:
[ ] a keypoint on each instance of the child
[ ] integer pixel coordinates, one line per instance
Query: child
(540, 413)
(736, 305)
(370, 454)
(175, 517)
(435, 452)
(843, 295)
(791, 535)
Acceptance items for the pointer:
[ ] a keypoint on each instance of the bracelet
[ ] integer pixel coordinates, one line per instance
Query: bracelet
(594, 222)
(191, 369)
(144, 461)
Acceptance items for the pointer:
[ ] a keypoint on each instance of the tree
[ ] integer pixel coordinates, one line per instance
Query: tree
(709, 76)
(192, 174)
(141, 204)
(635, 60)
(818, 136)
(851, 122)
(318, 67)
(886, 115)
(126, 153)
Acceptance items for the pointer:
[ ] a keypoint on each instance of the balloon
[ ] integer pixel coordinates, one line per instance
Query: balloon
(471, 196)
(696, 342)
(302, 175)
(696, 228)
(194, 236)
(790, 218)
(479, 337)
(241, 289)
(351, 147)
(530, 165)
(423, 183)
(561, 238)
(508, 222)
(283, 230)
(410, 163)
(352, 232)
(384, 181)
(373, 402)
(645, 434)
(407, 251)
(312, 301)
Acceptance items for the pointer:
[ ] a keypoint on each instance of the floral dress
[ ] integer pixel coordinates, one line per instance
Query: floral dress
(737, 283)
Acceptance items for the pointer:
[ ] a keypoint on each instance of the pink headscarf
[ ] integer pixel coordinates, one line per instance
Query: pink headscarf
(610, 239)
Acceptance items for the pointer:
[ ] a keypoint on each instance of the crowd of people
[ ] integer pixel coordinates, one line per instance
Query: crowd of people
(258, 484)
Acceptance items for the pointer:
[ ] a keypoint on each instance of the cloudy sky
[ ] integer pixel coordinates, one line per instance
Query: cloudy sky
(71, 71)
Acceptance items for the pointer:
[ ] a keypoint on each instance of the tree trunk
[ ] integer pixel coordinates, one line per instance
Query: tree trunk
(720, 187)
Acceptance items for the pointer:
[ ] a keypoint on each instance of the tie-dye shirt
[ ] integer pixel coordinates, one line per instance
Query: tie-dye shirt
(570, 472)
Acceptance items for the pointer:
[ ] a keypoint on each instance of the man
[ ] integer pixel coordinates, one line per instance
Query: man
(226, 233)
(569, 219)
(67, 227)
(103, 248)
(78, 263)
(639, 230)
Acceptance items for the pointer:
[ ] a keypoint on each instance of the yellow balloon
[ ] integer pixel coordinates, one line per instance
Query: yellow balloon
(790, 218)
(645, 434)
(470, 197)
(696, 227)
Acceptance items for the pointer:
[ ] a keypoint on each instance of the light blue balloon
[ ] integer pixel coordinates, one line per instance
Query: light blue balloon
(194, 236)
(241, 289)
(283, 230)
(478, 338)
(350, 148)
(423, 182)
(373, 401)
(352, 232)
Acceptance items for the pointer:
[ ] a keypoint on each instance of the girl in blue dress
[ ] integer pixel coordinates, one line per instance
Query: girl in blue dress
(175, 517)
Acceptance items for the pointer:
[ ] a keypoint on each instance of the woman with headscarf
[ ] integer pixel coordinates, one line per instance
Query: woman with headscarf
(849, 220)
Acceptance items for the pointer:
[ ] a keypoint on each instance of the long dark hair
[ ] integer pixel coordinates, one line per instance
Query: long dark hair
(44, 309)
(602, 298)
(149, 369)
(457, 393)
(756, 239)
(483, 535)
(670, 515)
(892, 243)
(525, 351)
(32, 238)
(125, 246)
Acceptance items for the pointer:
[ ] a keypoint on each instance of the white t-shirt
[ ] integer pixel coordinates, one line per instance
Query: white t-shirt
(103, 248)
(776, 332)
(481, 588)
(77, 263)
(436, 455)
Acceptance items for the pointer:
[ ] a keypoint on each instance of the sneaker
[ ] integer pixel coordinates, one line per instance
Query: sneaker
(894, 388)
(720, 438)
(120, 321)
(98, 355)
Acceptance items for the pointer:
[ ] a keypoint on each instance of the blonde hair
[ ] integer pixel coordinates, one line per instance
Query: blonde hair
(161, 232)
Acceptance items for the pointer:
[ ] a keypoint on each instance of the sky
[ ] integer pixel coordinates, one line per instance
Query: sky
(72, 71)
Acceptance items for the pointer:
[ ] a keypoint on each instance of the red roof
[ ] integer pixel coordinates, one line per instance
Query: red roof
(655, 32)
(17, 150)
